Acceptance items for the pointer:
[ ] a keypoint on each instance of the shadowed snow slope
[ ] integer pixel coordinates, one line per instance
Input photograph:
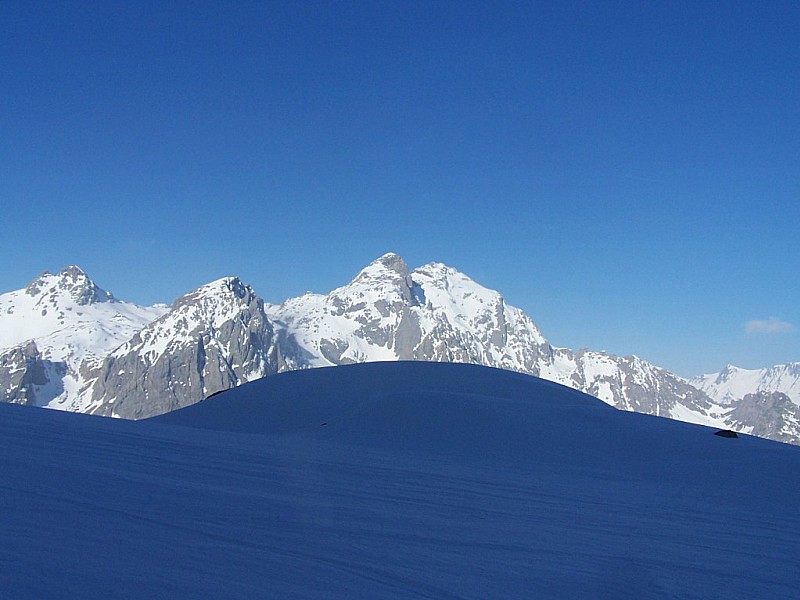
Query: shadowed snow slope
(393, 480)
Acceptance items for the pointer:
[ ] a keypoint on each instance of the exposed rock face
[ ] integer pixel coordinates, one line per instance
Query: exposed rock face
(213, 339)
(72, 324)
(71, 282)
(771, 415)
(630, 383)
(21, 369)
(727, 433)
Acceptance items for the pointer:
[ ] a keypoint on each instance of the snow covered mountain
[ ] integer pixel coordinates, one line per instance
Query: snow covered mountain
(764, 402)
(733, 383)
(66, 343)
(212, 339)
(55, 332)
(387, 312)
(435, 313)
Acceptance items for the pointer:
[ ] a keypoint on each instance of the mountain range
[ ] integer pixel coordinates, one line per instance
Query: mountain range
(66, 343)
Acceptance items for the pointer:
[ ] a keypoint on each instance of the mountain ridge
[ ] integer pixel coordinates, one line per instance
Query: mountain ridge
(223, 334)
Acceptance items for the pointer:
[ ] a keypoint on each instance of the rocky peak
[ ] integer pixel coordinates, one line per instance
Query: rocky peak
(766, 414)
(72, 283)
(385, 279)
(389, 267)
(213, 338)
(227, 290)
(436, 271)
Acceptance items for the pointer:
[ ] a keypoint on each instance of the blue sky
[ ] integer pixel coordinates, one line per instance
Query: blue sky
(628, 173)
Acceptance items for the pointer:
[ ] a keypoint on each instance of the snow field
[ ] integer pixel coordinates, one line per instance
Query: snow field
(393, 480)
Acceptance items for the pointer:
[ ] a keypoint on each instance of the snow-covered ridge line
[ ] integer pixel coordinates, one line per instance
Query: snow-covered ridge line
(733, 382)
(69, 344)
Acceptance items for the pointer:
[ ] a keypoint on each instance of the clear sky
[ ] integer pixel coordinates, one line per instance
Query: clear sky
(628, 173)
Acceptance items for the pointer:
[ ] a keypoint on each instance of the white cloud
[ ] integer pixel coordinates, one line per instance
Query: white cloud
(768, 326)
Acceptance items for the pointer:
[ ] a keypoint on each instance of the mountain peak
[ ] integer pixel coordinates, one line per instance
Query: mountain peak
(232, 289)
(391, 262)
(72, 282)
(728, 372)
(72, 271)
(389, 269)
(226, 285)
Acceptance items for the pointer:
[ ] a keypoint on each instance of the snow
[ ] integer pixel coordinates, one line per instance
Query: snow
(681, 412)
(387, 312)
(92, 331)
(733, 382)
(466, 303)
(74, 324)
(455, 294)
(598, 366)
(393, 480)
(434, 295)
(210, 306)
(311, 320)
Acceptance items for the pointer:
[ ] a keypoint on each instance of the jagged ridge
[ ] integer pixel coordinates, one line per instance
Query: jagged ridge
(157, 359)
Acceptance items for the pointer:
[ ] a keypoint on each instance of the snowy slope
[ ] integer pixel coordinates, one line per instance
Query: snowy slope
(393, 480)
(64, 325)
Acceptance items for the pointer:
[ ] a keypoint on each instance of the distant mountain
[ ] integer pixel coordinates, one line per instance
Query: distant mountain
(387, 312)
(212, 339)
(68, 344)
(55, 332)
(733, 383)
(764, 402)
(435, 313)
